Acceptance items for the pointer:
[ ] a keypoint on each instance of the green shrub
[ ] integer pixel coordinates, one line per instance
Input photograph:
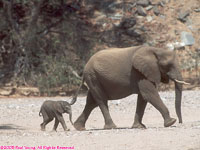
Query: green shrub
(56, 75)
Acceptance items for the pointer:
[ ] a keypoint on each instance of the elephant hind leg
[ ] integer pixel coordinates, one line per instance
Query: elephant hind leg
(141, 105)
(102, 101)
(150, 94)
(45, 122)
(46, 119)
(90, 105)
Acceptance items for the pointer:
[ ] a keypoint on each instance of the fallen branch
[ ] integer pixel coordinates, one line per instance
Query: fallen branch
(76, 75)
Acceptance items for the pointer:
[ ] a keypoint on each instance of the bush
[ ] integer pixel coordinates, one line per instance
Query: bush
(56, 76)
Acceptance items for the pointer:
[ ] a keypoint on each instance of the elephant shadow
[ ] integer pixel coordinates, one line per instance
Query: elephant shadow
(102, 129)
(127, 128)
(10, 127)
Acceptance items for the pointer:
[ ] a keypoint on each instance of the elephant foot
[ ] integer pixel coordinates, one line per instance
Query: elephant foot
(66, 129)
(139, 126)
(42, 128)
(110, 126)
(169, 122)
(79, 126)
(53, 130)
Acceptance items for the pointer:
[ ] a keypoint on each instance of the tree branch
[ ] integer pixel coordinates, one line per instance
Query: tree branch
(47, 29)
(31, 30)
(12, 22)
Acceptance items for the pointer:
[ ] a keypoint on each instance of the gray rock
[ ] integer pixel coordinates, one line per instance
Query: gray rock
(187, 38)
(143, 3)
(182, 16)
(156, 11)
(197, 10)
(127, 23)
(141, 11)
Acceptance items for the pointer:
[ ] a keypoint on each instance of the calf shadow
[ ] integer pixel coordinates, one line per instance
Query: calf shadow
(10, 127)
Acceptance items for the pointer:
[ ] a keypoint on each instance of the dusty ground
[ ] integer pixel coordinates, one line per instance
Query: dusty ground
(19, 126)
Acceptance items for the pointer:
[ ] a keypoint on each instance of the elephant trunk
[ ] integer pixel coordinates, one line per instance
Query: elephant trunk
(70, 117)
(178, 98)
(176, 76)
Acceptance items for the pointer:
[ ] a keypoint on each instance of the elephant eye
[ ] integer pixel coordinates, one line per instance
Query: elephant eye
(166, 68)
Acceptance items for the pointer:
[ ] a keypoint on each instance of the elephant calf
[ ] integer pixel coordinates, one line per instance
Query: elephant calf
(55, 109)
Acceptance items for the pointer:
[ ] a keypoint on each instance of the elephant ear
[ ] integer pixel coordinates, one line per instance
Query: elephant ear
(59, 107)
(145, 61)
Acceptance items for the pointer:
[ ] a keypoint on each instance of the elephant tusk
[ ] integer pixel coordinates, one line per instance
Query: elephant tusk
(182, 82)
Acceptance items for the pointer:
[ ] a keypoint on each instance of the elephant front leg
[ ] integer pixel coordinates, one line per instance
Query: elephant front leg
(141, 105)
(150, 94)
(62, 121)
(55, 124)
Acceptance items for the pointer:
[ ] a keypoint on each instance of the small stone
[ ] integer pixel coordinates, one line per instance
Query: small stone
(117, 16)
(141, 11)
(197, 10)
(179, 45)
(149, 18)
(170, 46)
(163, 17)
(143, 3)
(183, 15)
(149, 7)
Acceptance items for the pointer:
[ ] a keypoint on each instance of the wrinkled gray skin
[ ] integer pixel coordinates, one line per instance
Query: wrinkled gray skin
(119, 72)
(55, 109)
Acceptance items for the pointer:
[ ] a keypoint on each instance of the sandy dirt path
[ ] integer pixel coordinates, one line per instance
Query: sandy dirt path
(20, 126)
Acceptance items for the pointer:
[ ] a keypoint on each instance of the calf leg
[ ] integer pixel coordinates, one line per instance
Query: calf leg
(60, 118)
(55, 124)
(46, 120)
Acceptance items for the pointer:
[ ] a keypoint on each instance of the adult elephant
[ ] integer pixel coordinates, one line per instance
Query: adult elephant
(119, 72)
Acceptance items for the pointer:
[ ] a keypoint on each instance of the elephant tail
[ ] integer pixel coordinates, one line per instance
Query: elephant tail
(77, 92)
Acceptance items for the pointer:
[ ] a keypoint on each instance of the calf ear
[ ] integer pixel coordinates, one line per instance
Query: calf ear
(59, 107)
(145, 61)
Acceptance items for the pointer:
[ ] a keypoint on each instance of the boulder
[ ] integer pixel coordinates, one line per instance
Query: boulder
(187, 38)
(7, 91)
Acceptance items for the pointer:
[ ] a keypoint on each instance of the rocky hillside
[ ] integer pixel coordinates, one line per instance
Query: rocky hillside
(174, 24)
(163, 23)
